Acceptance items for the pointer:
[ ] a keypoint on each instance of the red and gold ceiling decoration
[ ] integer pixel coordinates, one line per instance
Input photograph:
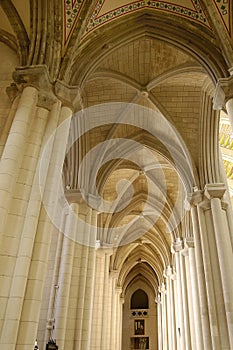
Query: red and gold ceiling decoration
(108, 10)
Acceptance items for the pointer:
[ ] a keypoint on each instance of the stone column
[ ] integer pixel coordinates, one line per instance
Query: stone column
(159, 311)
(215, 194)
(90, 285)
(100, 319)
(114, 305)
(212, 275)
(184, 293)
(51, 321)
(205, 322)
(18, 221)
(87, 266)
(177, 246)
(14, 148)
(194, 296)
(223, 98)
(46, 224)
(164, 317)
(191, 310)
(5, 133)
(12, 211)
(170, 310)
(64, 280)
(105, 331)
(209, 282)
(120, 318)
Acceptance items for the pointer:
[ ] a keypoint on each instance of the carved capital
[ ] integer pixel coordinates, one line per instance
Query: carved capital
(205, 204)
(73, 196)
(168, 272)
(216, 190)
(195, 198)
(189, 242)
(49, 92)
(177, 246)
(104, 251)
(118, 290)
(69, 95)
(38, 77)
(163, 288)
(114, 274)
(223, 92)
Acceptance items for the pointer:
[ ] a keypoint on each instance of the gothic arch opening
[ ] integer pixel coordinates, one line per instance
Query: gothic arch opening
(139, 300)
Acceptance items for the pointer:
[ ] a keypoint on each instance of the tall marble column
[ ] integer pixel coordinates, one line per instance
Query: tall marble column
(194, 295)
(170, 310)
(215, 192)
(184, 293)
(6, 130)
(100, 319)
(14, 148)
(64, 280)
(16, 175)
(24, 230)
(113, 306)
(177, 246)
(159, 311)
(191, 310)
(105, 329)
(202, 296)
(164, 317)
(205, 228)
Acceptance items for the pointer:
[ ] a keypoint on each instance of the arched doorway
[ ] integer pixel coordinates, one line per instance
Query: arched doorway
(139, 329)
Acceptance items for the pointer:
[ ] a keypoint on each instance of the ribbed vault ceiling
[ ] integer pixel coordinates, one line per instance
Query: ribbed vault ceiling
(159, 77)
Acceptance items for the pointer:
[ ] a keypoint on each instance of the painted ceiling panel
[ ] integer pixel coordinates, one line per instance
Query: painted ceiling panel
(71, 13)
(108, 10)
(224, 9)
(110, 5)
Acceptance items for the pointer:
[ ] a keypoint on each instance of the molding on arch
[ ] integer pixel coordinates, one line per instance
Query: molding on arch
(191, 40)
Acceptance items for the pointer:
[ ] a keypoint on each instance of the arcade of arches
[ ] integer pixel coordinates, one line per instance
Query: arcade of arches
(116, 226)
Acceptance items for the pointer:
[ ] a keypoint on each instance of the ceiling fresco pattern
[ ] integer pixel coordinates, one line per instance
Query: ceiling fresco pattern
(186, 8)
(224, 10)
(107, 10)
(71, 13)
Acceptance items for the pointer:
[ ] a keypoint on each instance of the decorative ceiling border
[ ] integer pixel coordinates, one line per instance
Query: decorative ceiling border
(71, 10)
(224, 10)
(197, 15)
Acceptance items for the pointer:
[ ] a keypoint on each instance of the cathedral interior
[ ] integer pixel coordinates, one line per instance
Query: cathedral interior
(116, 174)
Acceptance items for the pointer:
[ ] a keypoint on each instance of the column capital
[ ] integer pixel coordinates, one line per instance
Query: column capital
(189, 242)
(49, 91)
(162, 288)
(215, 190)
(102, 252)
(158, 298)
(114, 274)
(168, 272)
(122, 300)
(38, 77)
(195, 198)
(69, 95)
(223, 92)
(73, 196)
(177, 245)
(118, 289)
